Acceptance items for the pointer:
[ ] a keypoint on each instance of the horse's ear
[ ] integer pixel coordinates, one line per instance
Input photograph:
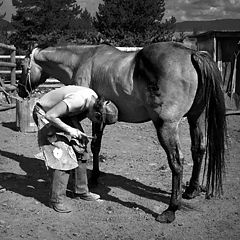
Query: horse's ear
(30, 48)
(32, 45)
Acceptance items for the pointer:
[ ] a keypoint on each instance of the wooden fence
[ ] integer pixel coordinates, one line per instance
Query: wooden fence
(8, 67)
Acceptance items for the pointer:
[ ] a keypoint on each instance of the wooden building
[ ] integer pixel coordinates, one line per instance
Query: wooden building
(224, 47)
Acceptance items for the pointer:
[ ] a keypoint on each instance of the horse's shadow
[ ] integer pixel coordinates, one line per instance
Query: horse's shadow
(35, 184)
(108, 181)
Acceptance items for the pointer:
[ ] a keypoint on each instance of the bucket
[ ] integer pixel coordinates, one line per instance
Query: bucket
(24, 118)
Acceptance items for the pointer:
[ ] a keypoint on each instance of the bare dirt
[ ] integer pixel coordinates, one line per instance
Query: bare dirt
(135, 186)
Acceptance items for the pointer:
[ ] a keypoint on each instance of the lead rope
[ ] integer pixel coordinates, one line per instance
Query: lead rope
(29, 72)
(28, 80)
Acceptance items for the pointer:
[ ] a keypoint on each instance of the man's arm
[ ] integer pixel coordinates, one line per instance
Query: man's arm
(54, 115)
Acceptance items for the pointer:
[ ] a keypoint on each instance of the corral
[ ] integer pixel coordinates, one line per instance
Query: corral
(135, 187)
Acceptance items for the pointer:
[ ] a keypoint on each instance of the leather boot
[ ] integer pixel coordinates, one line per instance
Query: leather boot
(81, 183)
(58, 191)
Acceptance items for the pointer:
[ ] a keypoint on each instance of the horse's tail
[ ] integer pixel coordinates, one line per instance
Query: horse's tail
(215, 122)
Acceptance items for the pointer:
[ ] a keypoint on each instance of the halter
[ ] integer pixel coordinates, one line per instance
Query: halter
(28, 79)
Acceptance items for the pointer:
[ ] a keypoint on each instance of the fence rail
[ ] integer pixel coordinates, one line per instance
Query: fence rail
(7, 58)
(12, 64)
(6, 88)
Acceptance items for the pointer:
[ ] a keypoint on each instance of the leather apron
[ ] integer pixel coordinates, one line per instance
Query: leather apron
(55, 145)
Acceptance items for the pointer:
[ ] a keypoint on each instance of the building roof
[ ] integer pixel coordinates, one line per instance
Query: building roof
(218, 33)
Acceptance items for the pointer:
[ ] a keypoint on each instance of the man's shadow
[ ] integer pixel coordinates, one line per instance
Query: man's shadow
(29, 185)
(35, 183)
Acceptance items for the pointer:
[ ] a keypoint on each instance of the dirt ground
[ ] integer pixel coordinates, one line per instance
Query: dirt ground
(135, 186)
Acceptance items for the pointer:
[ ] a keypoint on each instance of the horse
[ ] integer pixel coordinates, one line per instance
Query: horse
(163, 83)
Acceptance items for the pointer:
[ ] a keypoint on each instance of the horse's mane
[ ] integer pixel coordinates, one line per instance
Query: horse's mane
(73, 47)
(70, 45)
(44, 45)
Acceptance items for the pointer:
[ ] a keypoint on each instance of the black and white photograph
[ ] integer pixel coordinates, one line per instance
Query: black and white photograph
(119, 119)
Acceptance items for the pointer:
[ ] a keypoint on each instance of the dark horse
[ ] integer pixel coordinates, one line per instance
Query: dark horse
(162, 82)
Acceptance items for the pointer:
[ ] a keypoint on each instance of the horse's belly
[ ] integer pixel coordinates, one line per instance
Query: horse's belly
(130, 109)
(127, 99)
(132, 114)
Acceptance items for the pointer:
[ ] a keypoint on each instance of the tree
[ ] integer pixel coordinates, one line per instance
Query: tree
(3, 28)
(133, 22)
(2, 15)
(44, 20)
(83, 31)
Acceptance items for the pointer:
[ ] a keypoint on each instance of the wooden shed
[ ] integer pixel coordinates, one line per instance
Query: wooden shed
(224, 47)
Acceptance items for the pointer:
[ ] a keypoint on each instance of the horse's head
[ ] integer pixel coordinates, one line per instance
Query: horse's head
(32, 75)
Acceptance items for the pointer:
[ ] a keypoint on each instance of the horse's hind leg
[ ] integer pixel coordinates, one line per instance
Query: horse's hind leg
(168, 136)
(198, 150)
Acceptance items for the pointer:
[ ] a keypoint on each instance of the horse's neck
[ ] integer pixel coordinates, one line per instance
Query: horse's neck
(58, 64)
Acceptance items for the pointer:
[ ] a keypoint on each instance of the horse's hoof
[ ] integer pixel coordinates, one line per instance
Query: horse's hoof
(191, 193)
(166, 217)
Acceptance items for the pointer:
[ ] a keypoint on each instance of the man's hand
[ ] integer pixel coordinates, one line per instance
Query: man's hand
(76, 133)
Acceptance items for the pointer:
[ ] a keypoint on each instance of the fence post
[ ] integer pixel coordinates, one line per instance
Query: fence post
(13, 72)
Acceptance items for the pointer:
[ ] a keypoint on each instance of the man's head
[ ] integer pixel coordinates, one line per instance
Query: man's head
(104, 112)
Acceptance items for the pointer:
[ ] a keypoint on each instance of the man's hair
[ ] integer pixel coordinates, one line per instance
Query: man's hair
(98, 106)
(108, 112)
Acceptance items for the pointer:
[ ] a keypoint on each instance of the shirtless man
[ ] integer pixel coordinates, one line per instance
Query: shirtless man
(61, 110)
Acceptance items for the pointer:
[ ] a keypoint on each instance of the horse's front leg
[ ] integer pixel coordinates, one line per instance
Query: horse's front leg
(97, 132)
(169, 139)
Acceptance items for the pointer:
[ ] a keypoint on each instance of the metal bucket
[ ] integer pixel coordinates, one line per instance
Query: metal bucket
(24, 118)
